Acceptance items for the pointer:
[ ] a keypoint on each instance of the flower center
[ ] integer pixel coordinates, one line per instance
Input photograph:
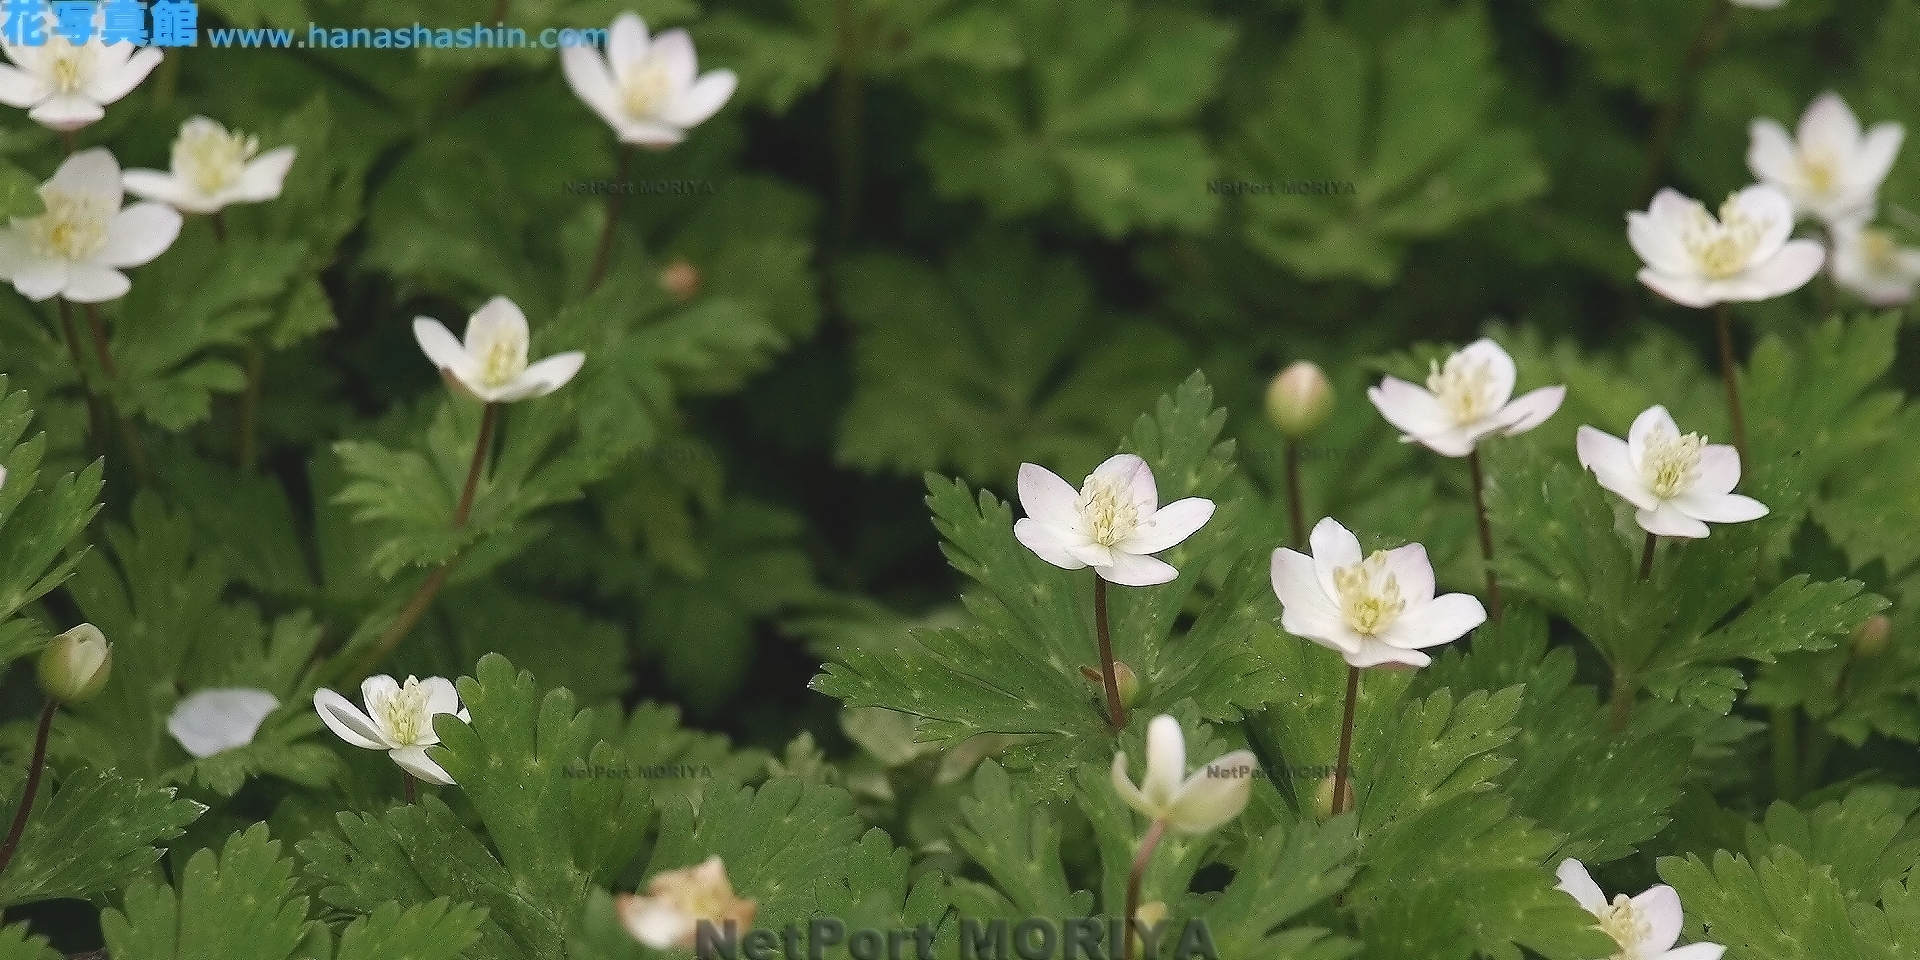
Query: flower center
(405, 714)
(1820, 169)
(1109, 512)
(1463, 387)
(1671, 463)
(70, 67)
(1626, 926)
(1724, 247)
(212, 158)
(73, 228)
(1369, 595)
(1876, 249)
(645, 90)
(502, 360)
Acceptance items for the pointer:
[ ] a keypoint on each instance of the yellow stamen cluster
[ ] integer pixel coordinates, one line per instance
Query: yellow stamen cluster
(1108, 511)
(1626, 926)
(1725, 247)
(1820, 169)
(502, 360)
(1464, 388)
(1369, 595)
(74, 226)
(645, 90)
(404, 714)
(212, 158)
(1671, 463)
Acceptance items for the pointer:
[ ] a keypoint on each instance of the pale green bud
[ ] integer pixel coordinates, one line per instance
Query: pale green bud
(1870, 639)
(1323, 797)
(75, 665)
(1299, 399)
(1124, 679)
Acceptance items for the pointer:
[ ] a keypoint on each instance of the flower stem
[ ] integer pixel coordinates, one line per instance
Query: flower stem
(1116, 714)
(1346, 743)
(96, 417)
(249, 453)
(1296, 508)
(487, 417)
(602, 254)
(66, 137)
(38, 765)
(1786, 754)
(1646, 556)
(1724, 321)
(406, 780)
(1486, 532)
(846, 115)
(1147, 845)
(1620, 704)
(1660, 145)
(219, 222)
(99, 331)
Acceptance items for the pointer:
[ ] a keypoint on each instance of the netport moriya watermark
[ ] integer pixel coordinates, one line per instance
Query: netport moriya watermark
(658, 187)
(1035, 938)
(1317, 187)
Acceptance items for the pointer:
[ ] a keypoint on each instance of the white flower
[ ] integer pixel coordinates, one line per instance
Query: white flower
(220, 719)
(1465, 400)
(1111, 524)
(669, 916)
(213, 167)
(1832, 171)
(1868, 264)
(1698, 261)
(492, 364)
(65, 87)
(1376, 610)
(1645, 926)
(77, 248)
(1214, 794)
(1678, 483)
(646, 91)
(398, 719)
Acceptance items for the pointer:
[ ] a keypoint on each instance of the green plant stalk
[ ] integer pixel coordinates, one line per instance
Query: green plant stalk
(1620, 703)
(34, 770)
(1723, 321)
(407, 787)
(1296, 508)
(1486, 532)
(1116, 712)
(1786, 753)
(1646, 556)
(1147, 845)
(604, 252)
(96, 416)
(1346, 742)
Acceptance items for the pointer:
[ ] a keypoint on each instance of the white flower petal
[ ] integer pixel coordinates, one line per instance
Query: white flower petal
(1829, 126)
(1875, 157)
(1719, 471)
(1608, 457)
(90, 171)
(1040, 538)
(347, 722)
(1334, 546)
(1169, 525)
(1666, 520)
(1046, 497)
(1660, 908)
(586, 72)
(1133, 476)
(66, 112)
(1415, 411)
(211, 721)
(1207, 801)
(138, 234)
(446, 353)
(553, 373)
(39, 279)
(1695, 951)
(1684, 290)
(1659, 246)
(1578, 883)
(673, 51)
(627, 45)
(1652, 420)
(1765, 205)
(1788, 270)
(1166, 762)
(89, 283)
(1306, 610)
(1499, 367)
(1133, 570)
(1373, 653)
(702, 100)
(414, 760)
(113, 82)
(1532, 409)
(163, 188)
(264, 177)
(1724, 508)
(657, 923)
(1123, 785)
(1446, 619)
(442, 696)
(1089, 553)
(1771, 155)
(648, 133)
(21, 89)
(1410, 567)
(499, 319)
(1454, 441)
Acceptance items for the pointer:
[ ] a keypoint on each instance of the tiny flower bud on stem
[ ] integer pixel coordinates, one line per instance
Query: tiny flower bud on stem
(681, 280)
(1323, 805)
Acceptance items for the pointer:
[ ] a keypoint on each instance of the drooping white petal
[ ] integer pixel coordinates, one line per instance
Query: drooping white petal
(1039, 538)
(1207, 801)
(1612, 464)
(1446, 619)
(1724, 508)
(702, 100)
(89, 283)
(1092, 554)
(648, 133)
(264, 177)
(1046, 497)
(1578, 883)
(1123, 785)
(1166, 762)
(1134, 570)
(212, 721)
(1532, 409)
(1376, 654)
(138, 234)
(38, 279)
(1686, 291)
(66, 112)
(414, 760)
(1455, 441)
(553, 373)
(1666, 520)
(1307, 610)
(1415, 411)
(1169, 525)
(1660, 907)
(347, 722)
(1695, 951)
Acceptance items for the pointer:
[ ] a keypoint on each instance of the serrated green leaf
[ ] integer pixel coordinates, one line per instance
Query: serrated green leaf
(91, 833)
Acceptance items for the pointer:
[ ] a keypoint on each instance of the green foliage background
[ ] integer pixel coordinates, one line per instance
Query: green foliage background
(765, 534)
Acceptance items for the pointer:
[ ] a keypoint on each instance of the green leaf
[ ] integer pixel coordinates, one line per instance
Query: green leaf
(1285, 873)
(1867, 839)
(1636, 43)
(1402, 132)
(17, 942)
(1097, 117)
(1776, 907)
(237, 905)
(39, 526)
(439, 930)
(784, 845)
(92, 833)
(1016, 840)
(19, 192)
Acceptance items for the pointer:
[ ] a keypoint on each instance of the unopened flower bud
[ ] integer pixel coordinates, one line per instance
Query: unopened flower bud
(1299, 399)
(1870, 639)
(681, 280)
(1323, 797)
(75, 665)
(1123, 677)
(1148, 916)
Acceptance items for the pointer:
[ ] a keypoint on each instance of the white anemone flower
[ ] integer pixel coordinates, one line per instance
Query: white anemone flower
(1832, 171)
(645, 90)
(1466, 400)
(668, 917)
(212, 168)
(398, 719)
(213, 721)
(1679, 484)
(1868, 264)
(65, 87)
(1112, 523)
(1375, 610)
(1215, 794)
(1646, 927)
(77, 248)
(1697, 261)
(492, 363)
